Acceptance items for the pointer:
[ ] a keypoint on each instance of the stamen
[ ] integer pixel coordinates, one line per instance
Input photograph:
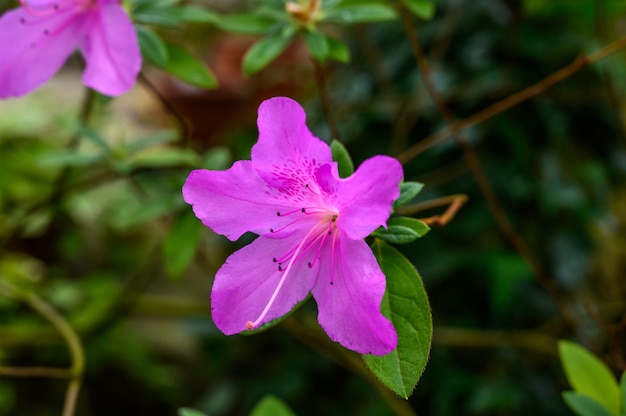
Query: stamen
(250, 324)
(332, 260)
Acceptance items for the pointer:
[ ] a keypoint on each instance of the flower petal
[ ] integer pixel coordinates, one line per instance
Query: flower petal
(33, 48)
(111, 50)
(365, 199)
(245, 283)
(234, 201)
(348, 292)
(287, 154)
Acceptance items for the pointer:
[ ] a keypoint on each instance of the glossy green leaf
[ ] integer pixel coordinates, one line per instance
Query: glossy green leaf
(271, 406)
(189, 412)
(338, 50)
(408, 191)
(343, 159)
(359, 13)
(584, 405)
(401, 230)
(160, 16)
(181, 244)
(318, 45)
(189, 68)
(152, 46)
(252, 24)
(424, 9)
(265, 51)
(590, 376)
(405, 303)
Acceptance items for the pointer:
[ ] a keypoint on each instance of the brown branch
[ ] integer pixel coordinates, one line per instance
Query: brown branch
(473, 162)
(320, 80)
(512, 100)
(453, 203)
(454, 206)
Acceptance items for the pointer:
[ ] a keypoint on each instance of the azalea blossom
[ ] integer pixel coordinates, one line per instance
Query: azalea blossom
(37, 38)
(311, 225)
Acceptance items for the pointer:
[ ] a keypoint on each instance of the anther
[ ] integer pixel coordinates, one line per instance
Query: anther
(249, 325)
(306, 186)
(310, 265)
(332, 283)
(278, 213)
(303, 210)
(274, 259)
(271, 230)
(280, 268)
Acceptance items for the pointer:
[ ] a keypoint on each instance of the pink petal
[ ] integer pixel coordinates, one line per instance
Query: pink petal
(287, 154)
(245, 283)
(111, 50)
(237, 200)
(348, 292)
(365, 199)
(33, 49)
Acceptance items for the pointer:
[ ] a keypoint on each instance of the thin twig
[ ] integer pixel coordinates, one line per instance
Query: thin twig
(512, 100)
(454, 203)
(320, 79)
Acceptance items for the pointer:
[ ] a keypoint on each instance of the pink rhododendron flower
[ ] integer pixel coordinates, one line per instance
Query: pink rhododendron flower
(37, 39)
(311, 225)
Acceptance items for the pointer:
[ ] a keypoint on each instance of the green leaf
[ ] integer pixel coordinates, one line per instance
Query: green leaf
(167, 157)
(68, 158)
(401, 230)
(405, 303)
(318, 45)
(584, 405)
(185, 411)
(343, 159)
(359, 13)
(245, 23)
(271, 406)
(408, 191)
(152, 46)
(189, 68)
(217, 158)
(157, 16)
(338, 50)
(194, 14)
(589, 376)
(160, 137)
(622, 385)
(181, 244)
(265, 51)
(94, 137)
(424, 9)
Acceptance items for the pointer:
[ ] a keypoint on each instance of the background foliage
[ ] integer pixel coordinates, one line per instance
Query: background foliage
(92, 218)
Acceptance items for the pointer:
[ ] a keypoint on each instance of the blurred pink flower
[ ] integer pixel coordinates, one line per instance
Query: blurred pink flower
(37, 38)
(311, 225)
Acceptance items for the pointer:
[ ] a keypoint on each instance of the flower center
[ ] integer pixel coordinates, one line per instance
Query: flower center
(323, 229)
